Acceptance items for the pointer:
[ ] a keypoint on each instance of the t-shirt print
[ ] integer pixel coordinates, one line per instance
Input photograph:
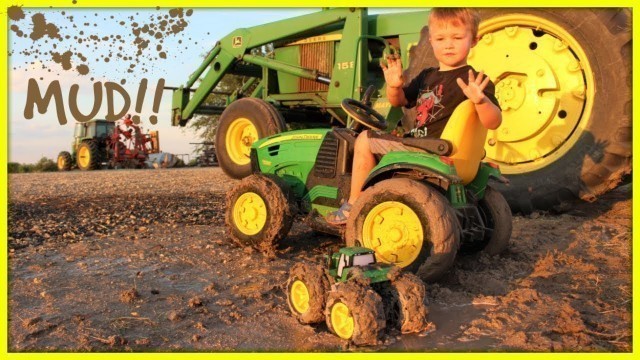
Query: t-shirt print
(428, 106)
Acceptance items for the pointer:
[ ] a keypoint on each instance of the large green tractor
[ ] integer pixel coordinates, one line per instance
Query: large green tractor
(90, 146)
(417, 209)
(562, 76)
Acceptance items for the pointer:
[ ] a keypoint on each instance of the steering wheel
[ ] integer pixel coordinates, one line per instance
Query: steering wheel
(364, 114)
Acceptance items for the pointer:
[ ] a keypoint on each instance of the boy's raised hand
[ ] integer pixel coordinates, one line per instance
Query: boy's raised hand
(393, 71)
(474, 90)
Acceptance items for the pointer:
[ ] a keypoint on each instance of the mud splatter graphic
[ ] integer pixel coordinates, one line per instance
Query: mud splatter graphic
(130, 41)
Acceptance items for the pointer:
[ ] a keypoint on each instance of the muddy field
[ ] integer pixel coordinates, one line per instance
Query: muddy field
(129, 260)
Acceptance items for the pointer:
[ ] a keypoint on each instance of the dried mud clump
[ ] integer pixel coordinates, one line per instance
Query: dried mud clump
(129, 296)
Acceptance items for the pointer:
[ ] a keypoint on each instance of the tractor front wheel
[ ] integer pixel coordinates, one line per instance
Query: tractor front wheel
(64, 161)
(354, 312)
(242, 123)
(260, 212)
(408, 224)
(88, 155)
(307, 289)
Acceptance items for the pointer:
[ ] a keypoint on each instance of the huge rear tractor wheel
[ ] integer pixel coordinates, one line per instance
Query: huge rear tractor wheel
(563, 79)
(408, 224)
(307, 289)
(88, 155)
(65, 161)
(242, 123)
(260, 212)
(355, 312)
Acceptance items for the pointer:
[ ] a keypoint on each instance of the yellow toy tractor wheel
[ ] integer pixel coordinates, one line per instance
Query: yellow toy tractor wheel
(307, 289)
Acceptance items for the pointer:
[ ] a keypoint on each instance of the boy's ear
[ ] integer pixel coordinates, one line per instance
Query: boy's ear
(475, 41)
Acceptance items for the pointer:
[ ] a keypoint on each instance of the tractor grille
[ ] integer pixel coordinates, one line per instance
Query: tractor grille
(327, 158)
(318, 56)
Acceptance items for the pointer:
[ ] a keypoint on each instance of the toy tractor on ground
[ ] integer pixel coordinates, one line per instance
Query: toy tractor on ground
(100, 143)
(417, 209)
(357, 296)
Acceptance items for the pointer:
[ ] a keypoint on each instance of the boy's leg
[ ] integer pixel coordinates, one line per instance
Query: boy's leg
(363, 162)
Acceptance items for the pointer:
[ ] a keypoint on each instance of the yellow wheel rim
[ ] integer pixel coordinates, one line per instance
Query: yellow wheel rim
(342, 321)
(61, 162)
(545, 87)
(249, 213)
(238, 139)
(84, 157)
(300, 297)
(394, 231)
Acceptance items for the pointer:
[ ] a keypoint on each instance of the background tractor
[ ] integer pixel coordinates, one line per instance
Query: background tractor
(207, 154)
(357, 296)
(559, 138)
(100, 143)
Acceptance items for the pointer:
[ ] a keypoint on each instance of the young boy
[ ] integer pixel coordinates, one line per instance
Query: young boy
(435, 92)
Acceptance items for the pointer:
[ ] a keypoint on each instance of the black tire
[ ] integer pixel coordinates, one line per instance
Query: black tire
(262, 115)
(439, 226)
(317, 287)
(496, 214)
(364, 306)
(405, 303)
(65, 161)
(88, 148)
(278, 212)
(601, 156)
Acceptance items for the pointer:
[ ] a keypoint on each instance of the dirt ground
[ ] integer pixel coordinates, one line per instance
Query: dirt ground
(139, 260)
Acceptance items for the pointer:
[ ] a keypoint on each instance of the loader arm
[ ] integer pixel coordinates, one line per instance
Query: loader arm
(233, 47)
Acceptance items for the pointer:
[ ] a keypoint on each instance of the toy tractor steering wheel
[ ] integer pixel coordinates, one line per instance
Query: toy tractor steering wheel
(364, 114)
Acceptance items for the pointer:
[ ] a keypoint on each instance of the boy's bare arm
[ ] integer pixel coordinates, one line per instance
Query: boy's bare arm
(394, 79)
(489, 114)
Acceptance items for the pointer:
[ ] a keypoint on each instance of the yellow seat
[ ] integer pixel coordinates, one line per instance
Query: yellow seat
(467, 135)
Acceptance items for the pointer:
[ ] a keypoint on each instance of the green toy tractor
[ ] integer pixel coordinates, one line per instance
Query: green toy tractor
(357, 296)
(417, 209)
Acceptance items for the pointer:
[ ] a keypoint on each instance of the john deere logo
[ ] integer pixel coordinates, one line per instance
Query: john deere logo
(237, 41)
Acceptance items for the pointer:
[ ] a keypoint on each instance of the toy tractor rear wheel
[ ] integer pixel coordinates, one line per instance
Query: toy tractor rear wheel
(87, 156)
(404, 300)
(408, 224)
(496, 214)
(260, 212)
(355, 312)
(307, 289)
(64, 161)
(242, 123)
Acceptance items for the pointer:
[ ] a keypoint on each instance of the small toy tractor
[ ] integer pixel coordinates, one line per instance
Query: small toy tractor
(100, 142)
(357, 296)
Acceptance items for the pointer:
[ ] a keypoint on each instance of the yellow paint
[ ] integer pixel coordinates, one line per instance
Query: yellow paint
(238, 139)
(394, 231)
(300, 297)
(290, 137)
(249, 213)
(342, 320)
(84, 157)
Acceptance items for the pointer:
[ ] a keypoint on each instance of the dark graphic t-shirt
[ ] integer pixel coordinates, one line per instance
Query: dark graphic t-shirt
(435, 94)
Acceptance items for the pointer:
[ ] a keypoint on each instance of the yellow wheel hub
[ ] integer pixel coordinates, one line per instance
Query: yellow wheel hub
(394, 231)
(250, 213)
(342, 321)
(84, 157)
(61, 162)
(545, 87)
(299, 297)
(238, 139)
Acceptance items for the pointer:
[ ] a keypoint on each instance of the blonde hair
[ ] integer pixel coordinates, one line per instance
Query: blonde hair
(456, 16)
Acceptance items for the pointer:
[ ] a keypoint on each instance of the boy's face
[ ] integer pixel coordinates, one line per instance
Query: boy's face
(451, 42)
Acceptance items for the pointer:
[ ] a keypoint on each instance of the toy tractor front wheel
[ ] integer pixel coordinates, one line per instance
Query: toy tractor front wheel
(408, 224)
(260, 212)
(307, 289)
(242, 123)
(87, 155)
(355, 312)
(64, 161)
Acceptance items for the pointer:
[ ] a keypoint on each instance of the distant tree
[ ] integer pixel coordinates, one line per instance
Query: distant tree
(13, 167)
(45, 165)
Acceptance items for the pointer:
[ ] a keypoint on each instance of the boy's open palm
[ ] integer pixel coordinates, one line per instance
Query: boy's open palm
(393, 72)
(474, 90)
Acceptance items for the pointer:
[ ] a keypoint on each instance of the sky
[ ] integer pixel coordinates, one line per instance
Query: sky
(123, 46)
